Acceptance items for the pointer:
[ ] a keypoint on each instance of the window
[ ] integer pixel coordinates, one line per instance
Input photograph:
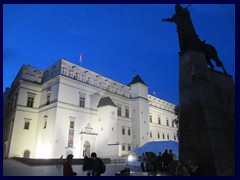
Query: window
(127, 112)
(167, 122)
(150, 118)
(167, 136)
(119, 110)
(172, 123)
(129, 148)
(123, 147)
(27, 123)
(159, 120)
(163, 136)
(158, 135)
(72, 124)
(48, 98)
(150, 134)
(82, 100)
(129, 132)
(30, 100)
(123, 131)
(175, 137)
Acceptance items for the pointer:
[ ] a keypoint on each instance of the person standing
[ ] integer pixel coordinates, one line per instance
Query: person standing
(97, 165)
(142, 159)
(87, 165)
(67, 166)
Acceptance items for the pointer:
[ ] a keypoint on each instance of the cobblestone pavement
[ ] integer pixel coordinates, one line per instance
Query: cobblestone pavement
(15, 168)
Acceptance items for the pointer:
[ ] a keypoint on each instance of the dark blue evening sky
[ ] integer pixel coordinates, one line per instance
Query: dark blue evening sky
(117, 41)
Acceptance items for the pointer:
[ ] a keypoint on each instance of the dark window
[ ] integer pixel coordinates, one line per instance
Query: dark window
(123, 131)
(71, 124)
(27, 125)
(119, 111)
(150, 118)
(30, 100)
(127, 112)
(123, 148)
(82, 102)
(159, 120)
(48, 98)
(129, 132)
(129, 147)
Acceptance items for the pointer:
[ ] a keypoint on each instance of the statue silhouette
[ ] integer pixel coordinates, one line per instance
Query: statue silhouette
(188, 38)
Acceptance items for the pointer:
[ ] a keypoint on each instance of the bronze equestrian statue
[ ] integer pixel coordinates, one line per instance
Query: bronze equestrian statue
(188, 38)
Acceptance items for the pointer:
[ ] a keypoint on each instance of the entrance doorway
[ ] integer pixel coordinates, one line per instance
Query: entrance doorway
(86, 149)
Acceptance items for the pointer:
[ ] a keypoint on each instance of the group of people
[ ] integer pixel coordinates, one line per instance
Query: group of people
(165, 162)
(94, 166)
(162, 162)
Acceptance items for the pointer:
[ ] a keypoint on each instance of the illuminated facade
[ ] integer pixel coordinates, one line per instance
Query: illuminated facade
(69, 109)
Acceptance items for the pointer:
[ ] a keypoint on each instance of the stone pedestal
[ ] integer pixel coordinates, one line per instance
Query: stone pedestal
(207, 116)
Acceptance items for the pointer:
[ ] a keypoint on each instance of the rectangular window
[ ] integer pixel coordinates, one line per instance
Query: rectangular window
(119, 111)
(48, 98)
(129, 148)
(163, 136)
(27, 124)
(30, 100)
(175, 137)
(71, 124)
(127, 112)
(158, 135)
(167, 136)
(150, 134)
(123, 147)
(159, 120)
(167, 122)
(82, 101)
(123, 131)
(172, 123)
(150, 118)
(129, 132)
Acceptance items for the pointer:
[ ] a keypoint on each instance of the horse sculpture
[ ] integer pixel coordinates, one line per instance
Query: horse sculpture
(211, 53)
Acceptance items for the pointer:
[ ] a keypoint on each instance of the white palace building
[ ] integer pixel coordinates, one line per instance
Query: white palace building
(69, 109)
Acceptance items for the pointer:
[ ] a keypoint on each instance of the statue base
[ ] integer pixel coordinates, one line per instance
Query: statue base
(207, 116)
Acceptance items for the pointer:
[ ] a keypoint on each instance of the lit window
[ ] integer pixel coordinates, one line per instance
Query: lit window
(30, 100)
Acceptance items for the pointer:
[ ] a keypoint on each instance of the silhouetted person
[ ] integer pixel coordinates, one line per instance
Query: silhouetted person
(67, 166)
(87, 165)
(142, 160)
(159, 161)
(193, 169)
(97, 165)
(165, 160)
(187, 36)
(181, 169)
